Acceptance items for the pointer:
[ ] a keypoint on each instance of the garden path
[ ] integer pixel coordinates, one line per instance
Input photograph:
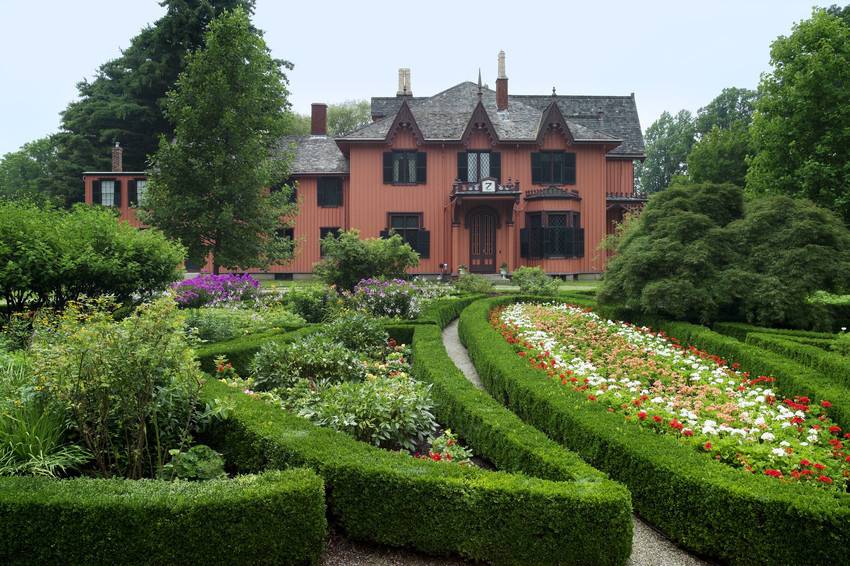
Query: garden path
(649, 546)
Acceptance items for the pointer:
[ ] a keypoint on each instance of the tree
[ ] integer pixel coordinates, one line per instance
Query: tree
(207, 183)
(25, 174)
(801, 129)
(346, 117)
(125, 101)
(668, 143)
(732, 106)
(348, 259)
(720, 156)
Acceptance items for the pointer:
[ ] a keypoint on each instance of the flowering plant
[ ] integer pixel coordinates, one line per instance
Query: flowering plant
(667, 388)
(446, 448)
(395, 298)
(215, 290)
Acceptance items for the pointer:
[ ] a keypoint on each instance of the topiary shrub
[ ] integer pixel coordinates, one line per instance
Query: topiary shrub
(534, 281)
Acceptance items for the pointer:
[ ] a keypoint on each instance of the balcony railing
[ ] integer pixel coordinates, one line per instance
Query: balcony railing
(626, 197)
(485, 187)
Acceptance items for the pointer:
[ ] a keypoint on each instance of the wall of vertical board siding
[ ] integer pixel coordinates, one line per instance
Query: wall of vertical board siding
(126, 212)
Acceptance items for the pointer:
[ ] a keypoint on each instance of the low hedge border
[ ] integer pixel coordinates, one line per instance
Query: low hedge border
(439, 508)
(444, 310)
(277, 517)
(831, 364)
(739, 331)
(793, 378)
(702, 504)
(240, 351)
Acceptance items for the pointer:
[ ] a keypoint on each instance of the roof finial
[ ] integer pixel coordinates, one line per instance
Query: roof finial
(553, 92)
(479, 82)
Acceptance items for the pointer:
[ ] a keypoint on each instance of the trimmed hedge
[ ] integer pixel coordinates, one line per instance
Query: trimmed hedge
(439, 508)
(704, 505)
(240, 351)
(831, 364)
(739, 331)
(274, 518)
(444, 310)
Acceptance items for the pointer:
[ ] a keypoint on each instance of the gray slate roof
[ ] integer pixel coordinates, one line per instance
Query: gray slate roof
(444, 116)
(313, 155)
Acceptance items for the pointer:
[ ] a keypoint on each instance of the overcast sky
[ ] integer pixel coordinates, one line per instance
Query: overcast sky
(672, 55)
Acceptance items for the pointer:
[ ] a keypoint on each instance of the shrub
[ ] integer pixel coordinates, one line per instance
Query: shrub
(240, 351)
(841, 345)
(698, 253)
(216, 290)
(277, 517)
(446, 448)
(130, 387)
(49, 257)
(315, 358)
(394, 298)
(358, 332)
(348, 259)
(217, 324)
(312, 302)
(472, 284)
(534, 281)
(200, 462)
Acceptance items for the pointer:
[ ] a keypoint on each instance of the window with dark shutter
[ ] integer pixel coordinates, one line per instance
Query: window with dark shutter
(116, 196)
(496, 166)
(472, 166)
(462, 167)
(421, 167)
(553, 168)
(408, 225)
(96, 195)
(405, 167)
(554, 235)
(323, 232)
(329, 192)
(388, 168)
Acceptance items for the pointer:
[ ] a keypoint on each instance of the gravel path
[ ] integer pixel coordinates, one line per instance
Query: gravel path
(649, 547)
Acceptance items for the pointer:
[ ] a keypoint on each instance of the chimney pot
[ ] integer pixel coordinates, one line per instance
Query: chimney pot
(117, 158)
(319, 119)
(404, 88)
(502, 85)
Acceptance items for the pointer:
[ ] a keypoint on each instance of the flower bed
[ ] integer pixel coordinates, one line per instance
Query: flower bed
(659, 385)
(215, 290)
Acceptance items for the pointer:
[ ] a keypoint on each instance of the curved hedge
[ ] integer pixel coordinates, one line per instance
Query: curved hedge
(832, 365)
(444, 310)
(239, 351)
(706, 506)
(273, 518)
(739, 330)
(439, 508)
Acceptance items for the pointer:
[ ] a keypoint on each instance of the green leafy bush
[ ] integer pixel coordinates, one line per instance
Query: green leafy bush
(358, 332)
(312, 302)
(841, 345)
(200, 462)
(214, 324)
(129, 387)
(348, 259)
(315, 358)
(699, 253)
(471, 283)
(534, 281)
(446, 448)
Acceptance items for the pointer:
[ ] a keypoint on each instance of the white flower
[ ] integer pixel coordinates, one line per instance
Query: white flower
(778, 452)
(768, 437)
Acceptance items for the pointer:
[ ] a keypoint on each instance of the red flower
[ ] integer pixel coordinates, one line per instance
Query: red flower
(591, 397)
(797, 420)
(688, 432)
(805, 462)
(834, 429)
(642, 415)
(806, 472)
(676, 424)
(825, 404)
(521, 354)
(657, 419)
(773, 473)
(825, 479)
(435, 456)
(820, 467)
(707, 446)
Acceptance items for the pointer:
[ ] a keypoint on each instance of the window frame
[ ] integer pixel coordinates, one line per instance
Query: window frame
(420, 165)
(333, 200)
(540, 233)
(494, 165)
(568, 170)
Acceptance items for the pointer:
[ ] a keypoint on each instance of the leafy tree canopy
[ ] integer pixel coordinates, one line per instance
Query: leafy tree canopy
(668, 143)
(23, 173)
(730, 108)
(720, 156)
(801, 129)
(207, 183)
(343, 118)
(701, 253)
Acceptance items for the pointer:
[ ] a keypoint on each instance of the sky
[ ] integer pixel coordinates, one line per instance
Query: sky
(671, 54)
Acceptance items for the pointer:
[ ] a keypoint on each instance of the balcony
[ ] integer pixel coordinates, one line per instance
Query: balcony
(488, 187)
(625, 198)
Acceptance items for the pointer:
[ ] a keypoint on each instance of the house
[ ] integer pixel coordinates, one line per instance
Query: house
(470, 177)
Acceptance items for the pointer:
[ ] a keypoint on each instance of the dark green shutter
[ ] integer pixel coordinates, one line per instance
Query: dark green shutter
(321, 194)
(462, 167)
(536, 168)
(570, 166)
(132, 193)
(96, 195)
(116, 195)
(421, 160)
(496, 166)
(388, 167)
(523, 242)
(385, 234)
(579, 242)
(424, 243)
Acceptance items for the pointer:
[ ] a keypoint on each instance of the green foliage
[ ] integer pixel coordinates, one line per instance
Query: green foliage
(200, 462)
(48, 257)
(346, 117)
(392, 498)
(315, 358)
(25, 174)
(130, 387)
(348, 259)
(446, 448)
(312, 302)
(720, 155)
(214, 324)
(473, 284)
(668, 143)
(732, 107)
(442, 311)
(841, 345)
(831, 365)
(534, 281)
(274, 518)
(358, 332)
(801, 130)
(697, 253)
(701, 504)
(740, 330)
(207, 186)
(240, 351)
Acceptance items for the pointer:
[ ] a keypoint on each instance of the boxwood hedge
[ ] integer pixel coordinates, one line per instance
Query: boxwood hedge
(439, 508)
(239, 351)
(702, 504)
(831, 364)
(740, 330)
(444, 310)
(277, 517)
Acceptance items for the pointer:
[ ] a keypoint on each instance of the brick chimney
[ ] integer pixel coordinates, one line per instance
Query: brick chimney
(502, 84)
(117, 158)
(404, 88)
(319, 119)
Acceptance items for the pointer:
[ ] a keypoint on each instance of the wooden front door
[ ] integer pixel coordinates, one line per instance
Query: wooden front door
(482, 240)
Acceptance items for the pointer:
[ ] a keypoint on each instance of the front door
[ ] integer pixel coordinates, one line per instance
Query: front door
(482, 240)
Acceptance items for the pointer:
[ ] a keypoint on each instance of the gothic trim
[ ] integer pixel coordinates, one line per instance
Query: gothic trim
(480, 121)
(553, 121)
(552, 192)
(404, 119)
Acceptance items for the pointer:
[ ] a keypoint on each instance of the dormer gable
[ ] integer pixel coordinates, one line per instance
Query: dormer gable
(479, 122)
(553, 121)
(404, 120)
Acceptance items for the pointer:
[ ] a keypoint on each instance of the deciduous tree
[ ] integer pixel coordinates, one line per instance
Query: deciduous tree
(668, 143)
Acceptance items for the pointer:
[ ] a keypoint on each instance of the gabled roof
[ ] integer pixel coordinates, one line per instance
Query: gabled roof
(446, 115)
(313, 155)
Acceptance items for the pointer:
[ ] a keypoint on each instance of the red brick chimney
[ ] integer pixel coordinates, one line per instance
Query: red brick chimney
(117, 158)
(319, 119)
(502, 84)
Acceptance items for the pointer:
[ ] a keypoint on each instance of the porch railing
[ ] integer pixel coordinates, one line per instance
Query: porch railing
(481, 187)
